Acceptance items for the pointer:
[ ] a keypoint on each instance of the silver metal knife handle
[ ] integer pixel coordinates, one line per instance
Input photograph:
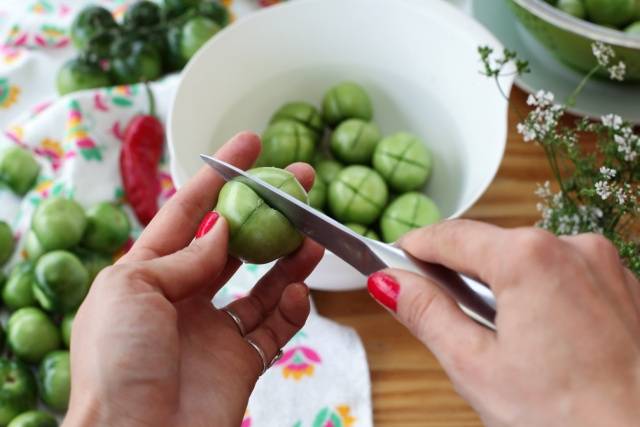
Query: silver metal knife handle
(479, 307)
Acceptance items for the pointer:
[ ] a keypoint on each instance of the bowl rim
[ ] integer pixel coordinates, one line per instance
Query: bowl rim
(570, 23)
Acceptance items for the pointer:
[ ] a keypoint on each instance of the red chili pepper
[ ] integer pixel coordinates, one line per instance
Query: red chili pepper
(139, 157)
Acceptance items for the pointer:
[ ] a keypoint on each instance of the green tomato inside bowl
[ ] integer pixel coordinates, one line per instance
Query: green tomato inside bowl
(34, 419)
(408, 212)
(62, 281)
(347, 100)
(328, 170)
(257, 233)
(18, 390)
(358, 194)
(363, 231)
(318, 194)
(31, 334)
(285, 142)
(403, 161)
(611, 12)
(54, 380)
(354, 141)
(301, 112)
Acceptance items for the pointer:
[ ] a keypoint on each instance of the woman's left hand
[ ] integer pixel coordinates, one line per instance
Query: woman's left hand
(148, 347)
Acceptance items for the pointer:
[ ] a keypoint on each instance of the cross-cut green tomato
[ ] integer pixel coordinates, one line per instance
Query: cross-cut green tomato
(318, 194)
(62, 281)
(328, 170)
(58, 223)
(354, 141)
(403, 161)
(301, 112)
(358, 194)
(18, 169)
(346, 100)
(31, 334)
(285, 142)
(407, 212)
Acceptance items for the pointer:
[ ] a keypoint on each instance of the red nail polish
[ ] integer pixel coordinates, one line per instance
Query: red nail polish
(384, 289)
(207, 223)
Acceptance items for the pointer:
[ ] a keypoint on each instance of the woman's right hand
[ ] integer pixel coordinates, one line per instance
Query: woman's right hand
(567, 347)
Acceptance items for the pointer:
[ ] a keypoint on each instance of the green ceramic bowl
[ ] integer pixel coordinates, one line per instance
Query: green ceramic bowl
(570, 38)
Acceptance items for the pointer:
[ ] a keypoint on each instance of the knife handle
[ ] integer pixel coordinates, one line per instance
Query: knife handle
(473, 297)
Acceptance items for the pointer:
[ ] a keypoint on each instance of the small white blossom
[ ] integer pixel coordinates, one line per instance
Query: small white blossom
(612, 121)
(527, 133)
(544, 191)
(608, 173)
(541, 99)
(543, 120)
(621, 196)
(628, 143)
(603, 189)
(618, 71)
(603, 53)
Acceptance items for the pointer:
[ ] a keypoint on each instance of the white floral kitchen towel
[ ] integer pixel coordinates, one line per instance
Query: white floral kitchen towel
(322, 379)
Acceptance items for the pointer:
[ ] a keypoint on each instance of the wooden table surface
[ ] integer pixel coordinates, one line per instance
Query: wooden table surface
(409, 386)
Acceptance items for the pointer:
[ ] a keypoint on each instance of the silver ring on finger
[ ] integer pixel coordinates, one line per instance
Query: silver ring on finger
(236, 320)
(263, 357)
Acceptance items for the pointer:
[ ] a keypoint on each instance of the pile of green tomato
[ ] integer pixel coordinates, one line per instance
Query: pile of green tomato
(369, 182)
(620, 14)
(152, 41)
(65, 249)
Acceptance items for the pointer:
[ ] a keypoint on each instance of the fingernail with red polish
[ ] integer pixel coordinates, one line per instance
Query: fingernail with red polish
(384, 289)
(207, 223)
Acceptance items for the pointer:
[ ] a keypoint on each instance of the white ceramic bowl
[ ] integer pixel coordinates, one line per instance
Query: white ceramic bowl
(417, 59)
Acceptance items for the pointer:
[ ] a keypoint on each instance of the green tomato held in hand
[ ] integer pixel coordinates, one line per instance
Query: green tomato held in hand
(257, 233)
(31, 334)
(34, 419)
(18, 291)
(196, 32)
(354, 141)
(59, 223)
(54, 379)
(406, 213)
(358, 194)
(7, 243)
(65, 328)
(18, 169)
(62, 282)
(18, 390)
(79, 74)
(91, 21)
(301, 112)
(135, 61)
(403, 161)
(107, 228)
(611, 12)
(141, 14)
(285, 142)
(347, 100)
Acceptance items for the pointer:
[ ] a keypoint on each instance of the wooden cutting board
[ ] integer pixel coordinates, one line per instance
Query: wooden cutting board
(409, 386)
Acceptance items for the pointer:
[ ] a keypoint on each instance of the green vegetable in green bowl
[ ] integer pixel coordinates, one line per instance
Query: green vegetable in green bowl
(143, 13)
(403, 161)
(135, 61)
(354, 141)
(363, 231)
(58, 223)
(54, 379)
(32, 246)
(7, 243)
(407, 212)
(34, 419)
(301, 112)
(79, 74)
(107, 228)
(62, 281)
(344, 101)
(328, 170)
(18, 390)
(17, 292)
(318, 194)
(195, 33)
(611, 12)
(65, 328)
(31, 334)
(18, 169)
(91, 21)
(358, 194)
(285, 142)
(257, 233)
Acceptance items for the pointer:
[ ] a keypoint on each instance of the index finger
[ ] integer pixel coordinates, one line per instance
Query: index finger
(175, 224)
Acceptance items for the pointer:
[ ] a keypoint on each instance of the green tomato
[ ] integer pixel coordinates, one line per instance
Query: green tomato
(32, 246)
(196, 32)
(17, 292)
(403, 161)
(407, 212)
(257, 233)
(318, 194)
(347, 100)
(363, 231)
(611, 12)
(18, 390)
(99, 47)
(91, 21)
(215, 11)
(79, 74)
(62, 282)
(328, 170)
(34, 419)
(54, 379)
(301, 112)
(173, 59)
(135, 61)
(107, 229)
(358, 194)
(58, 223)
(31, 334)
(285, 142)
(7, 242)
(354, 141)
(94, 262)
(18, 169)
(174, 8)
(66, 327)
(141, 14)
(633, 29)
(573, 7)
